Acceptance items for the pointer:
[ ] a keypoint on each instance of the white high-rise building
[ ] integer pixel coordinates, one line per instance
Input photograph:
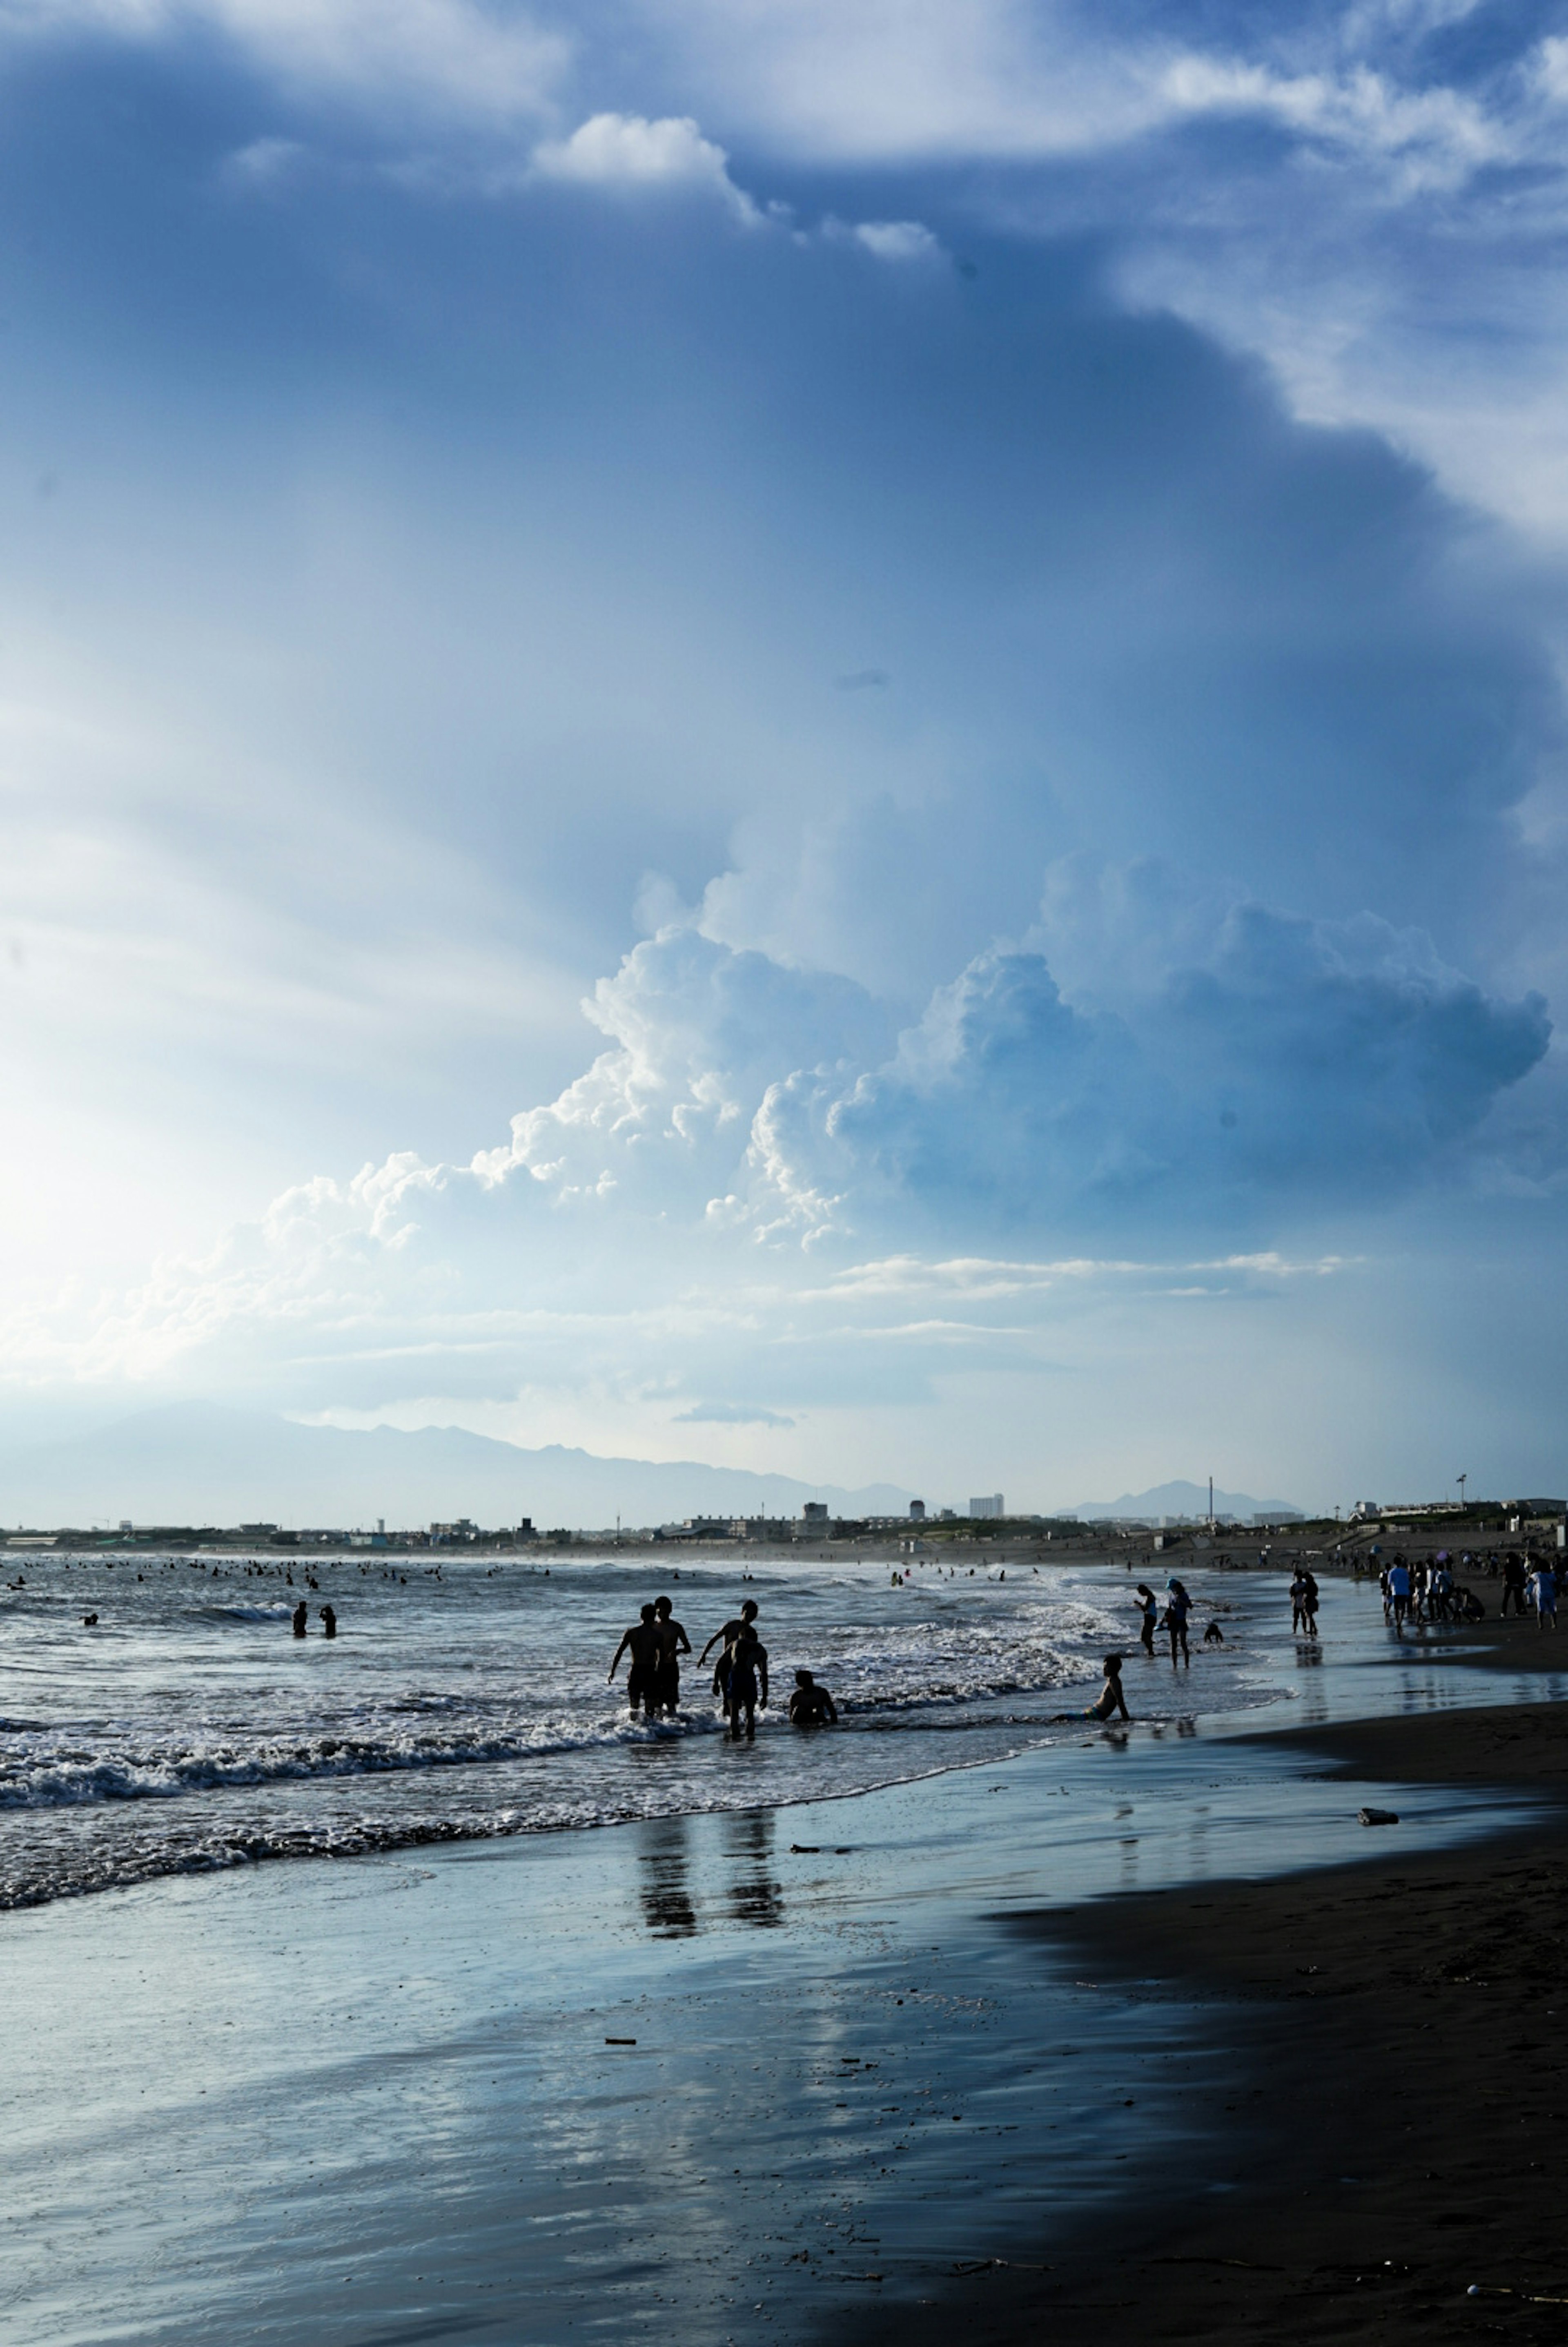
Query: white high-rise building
(990, 1506)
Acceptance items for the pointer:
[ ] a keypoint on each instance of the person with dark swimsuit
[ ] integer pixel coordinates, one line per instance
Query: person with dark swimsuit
(725, 1641)
(1110, 1701)
(748, 1672)
(1149, 1612)
(673, 1643)
(301, 1616)
(1178, 1605)
(642, 1642)
(811, 1706)
(329, 1614)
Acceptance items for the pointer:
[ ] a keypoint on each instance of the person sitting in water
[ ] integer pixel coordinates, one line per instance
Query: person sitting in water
(725, 1640)
(811, 1706)
(747, 1682)
(673, 1643)
(642, 1642)
(1213, 1635)
(1110, 1703)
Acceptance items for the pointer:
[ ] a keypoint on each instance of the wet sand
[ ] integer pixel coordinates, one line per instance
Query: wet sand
(1388, 2127)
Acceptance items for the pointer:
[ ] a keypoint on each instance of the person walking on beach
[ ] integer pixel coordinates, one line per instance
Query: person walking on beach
(1543, 1594)
(1399, 1594)
(642, 1643)
(1178, 1605)
(1298, 1618)
(1149, 1612)
(725, 1641)
(811, 1706)
(301, 1616)
(1513, 1581)
(673, 1643)
(748, 1675)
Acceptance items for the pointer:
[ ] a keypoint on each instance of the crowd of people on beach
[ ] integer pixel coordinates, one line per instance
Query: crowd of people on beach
(655, 1641)
(1425, 1589)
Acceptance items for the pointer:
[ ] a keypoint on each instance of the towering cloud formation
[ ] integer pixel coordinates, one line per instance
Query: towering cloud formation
(762, 525)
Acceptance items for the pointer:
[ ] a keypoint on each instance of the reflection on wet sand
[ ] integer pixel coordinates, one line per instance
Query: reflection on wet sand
(664, 1859)
(755, 1895)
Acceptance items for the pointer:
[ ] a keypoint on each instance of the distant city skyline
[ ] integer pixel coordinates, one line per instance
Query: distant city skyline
(833, 738)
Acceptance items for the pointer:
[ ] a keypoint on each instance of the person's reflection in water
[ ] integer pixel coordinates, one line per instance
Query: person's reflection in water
(755, 1895)
(666, 1890)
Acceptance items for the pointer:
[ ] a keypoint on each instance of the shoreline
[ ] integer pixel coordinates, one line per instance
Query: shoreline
(1381, 2138)
(937, 2059)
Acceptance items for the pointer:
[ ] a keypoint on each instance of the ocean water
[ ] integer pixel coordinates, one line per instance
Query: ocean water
(189, 1731)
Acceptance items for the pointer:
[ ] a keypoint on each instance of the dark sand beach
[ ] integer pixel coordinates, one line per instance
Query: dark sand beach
(1387, 2132)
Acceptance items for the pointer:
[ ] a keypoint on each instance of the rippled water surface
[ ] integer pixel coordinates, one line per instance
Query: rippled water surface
(189, 1729)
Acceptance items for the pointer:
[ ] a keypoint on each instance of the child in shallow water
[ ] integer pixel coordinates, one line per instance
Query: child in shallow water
(1110, 1702)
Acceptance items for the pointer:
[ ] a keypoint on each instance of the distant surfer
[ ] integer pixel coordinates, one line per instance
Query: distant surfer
(673, 1643)
(642, 1643)
(301, 1616)
(725, 1641)
(811, 1706)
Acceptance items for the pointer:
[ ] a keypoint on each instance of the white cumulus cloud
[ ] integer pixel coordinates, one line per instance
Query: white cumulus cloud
(628, 152)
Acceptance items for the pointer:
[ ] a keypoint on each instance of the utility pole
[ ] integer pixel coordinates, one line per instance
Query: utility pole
(1462, 1481)
(1211, 1503)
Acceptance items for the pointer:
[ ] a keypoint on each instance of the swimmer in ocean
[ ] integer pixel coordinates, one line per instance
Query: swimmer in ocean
(301, 1616)
(642, 1643)
(725, 1640)
(811, 1706)
(329, 1614)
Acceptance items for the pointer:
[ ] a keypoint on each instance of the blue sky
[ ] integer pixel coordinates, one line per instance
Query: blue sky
(832, 738)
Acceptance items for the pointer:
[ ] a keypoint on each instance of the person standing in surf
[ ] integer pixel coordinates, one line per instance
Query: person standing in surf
(1178, 1605)
(725, 1641)
(673, 1643)
(747, 1683)
(1149, 1614)
(642, 1643)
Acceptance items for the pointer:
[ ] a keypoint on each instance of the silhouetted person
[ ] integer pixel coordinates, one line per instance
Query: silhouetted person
(89, 1621)
(1110, 1701)
(328, 1622)
(811, 1706)
(642, 1643)
(1178, 1605)
(301, 1616)
(673, 1643)
(1148, 1615)
(747, 1682)
(1213, 1635)
(725, 1640)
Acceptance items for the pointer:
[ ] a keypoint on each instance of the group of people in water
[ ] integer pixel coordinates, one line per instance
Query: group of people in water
(655, 1641)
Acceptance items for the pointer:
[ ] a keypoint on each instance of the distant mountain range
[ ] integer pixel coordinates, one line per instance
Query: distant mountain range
(1184, 1500)
(197, 1463)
